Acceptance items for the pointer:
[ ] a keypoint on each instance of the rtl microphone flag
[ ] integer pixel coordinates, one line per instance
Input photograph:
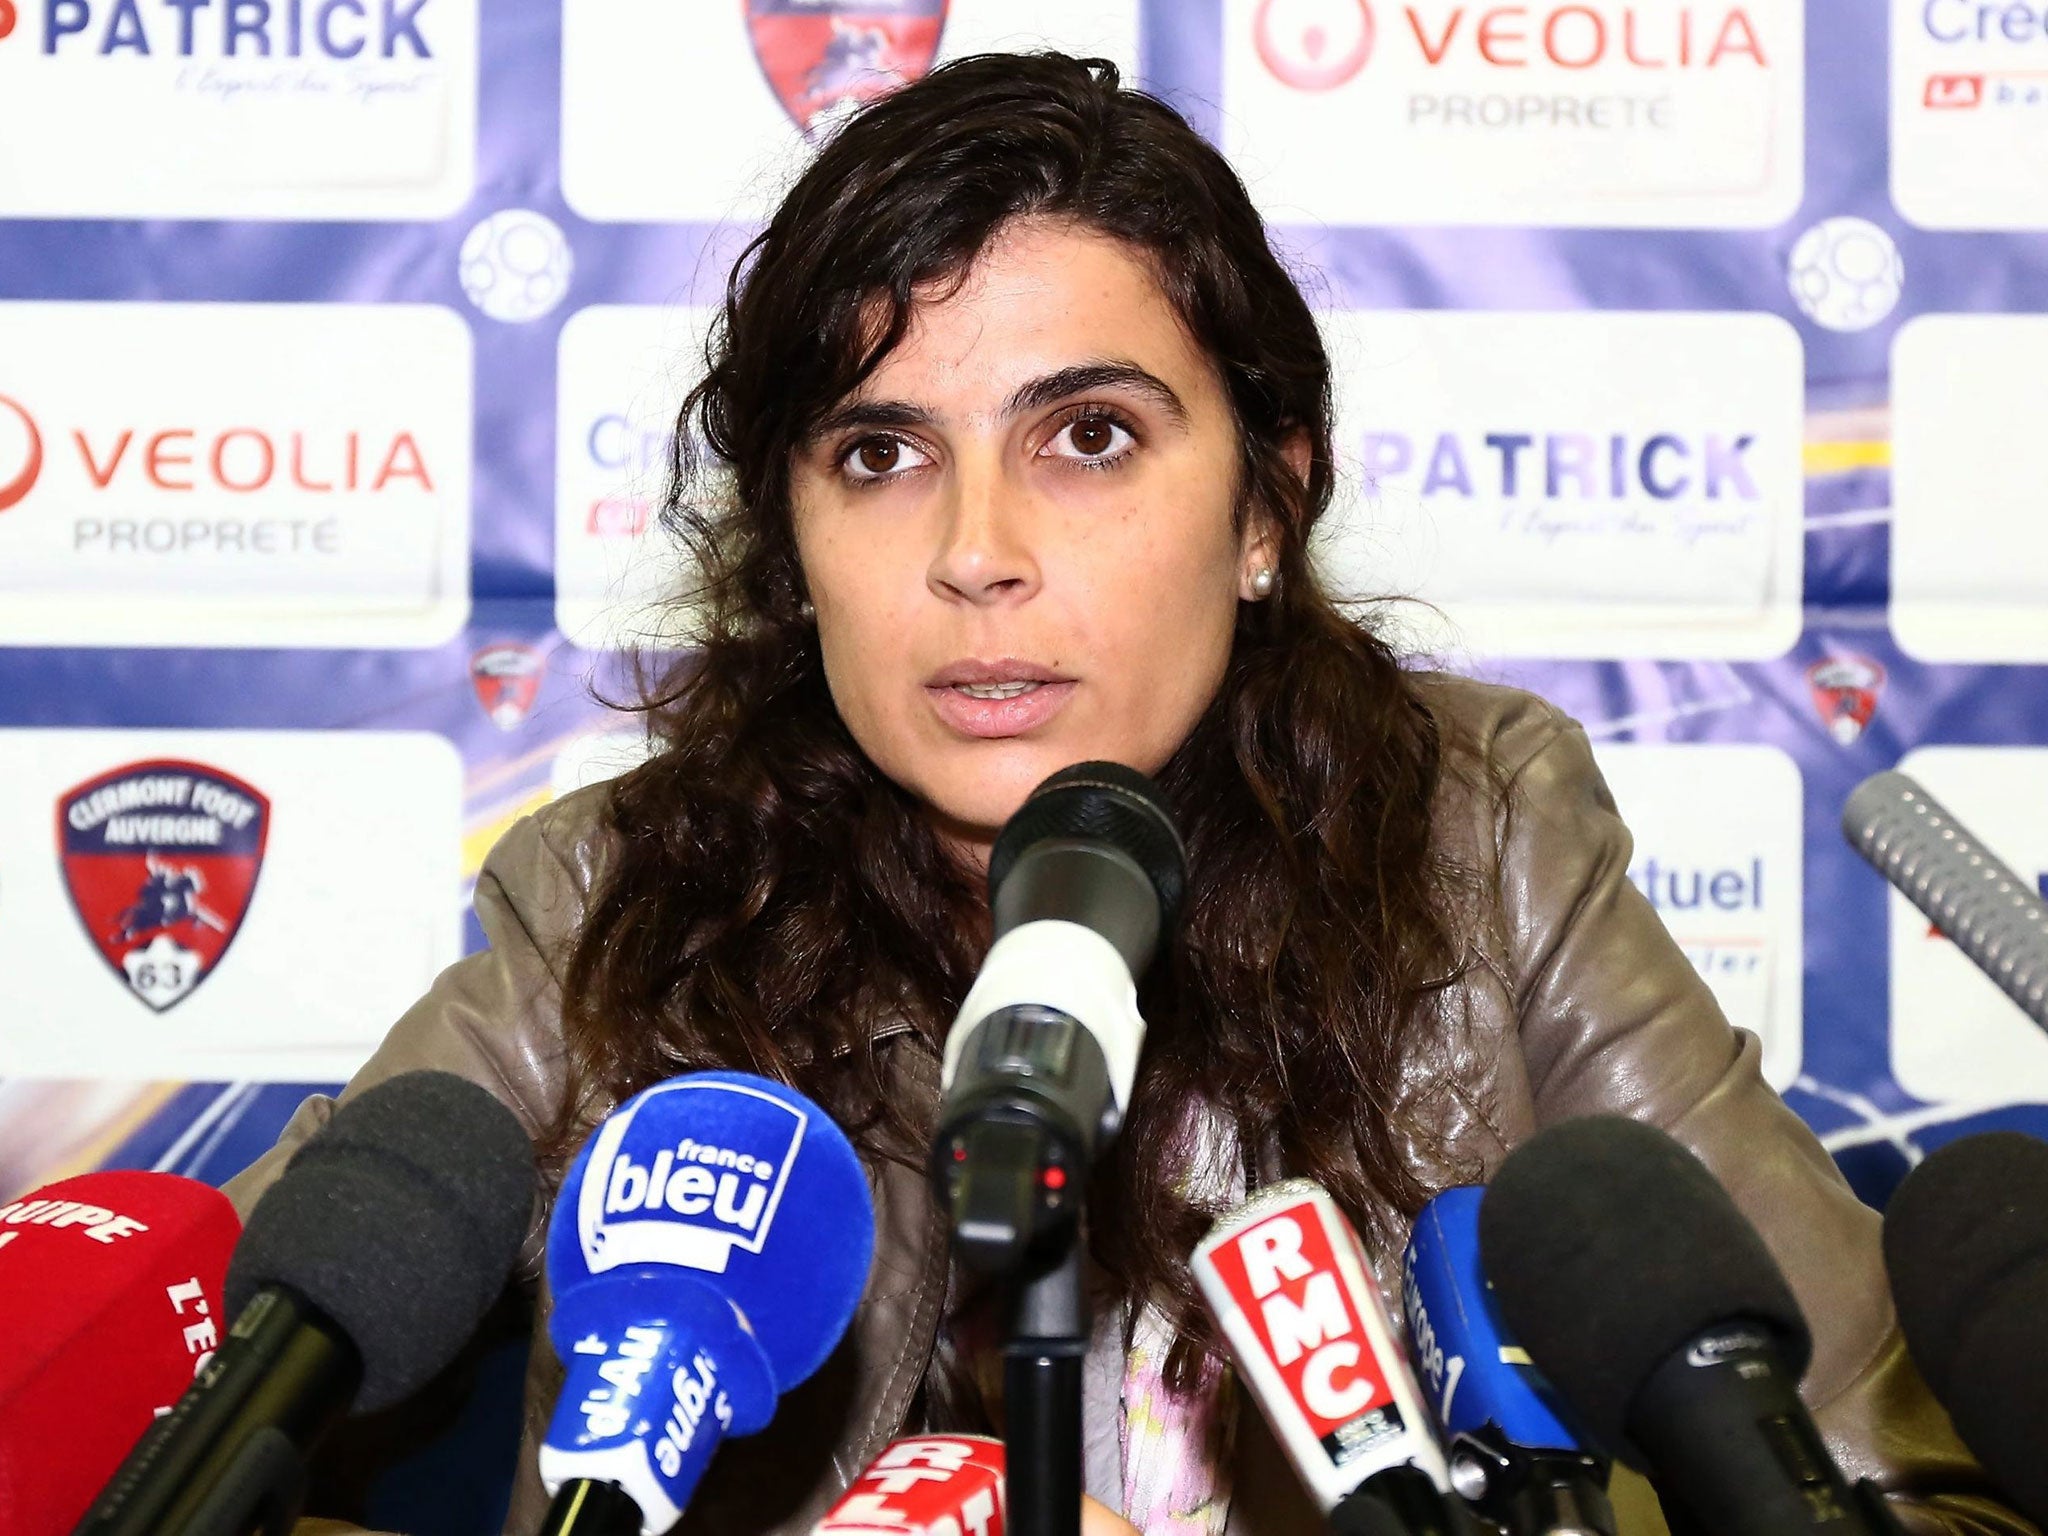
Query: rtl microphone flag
(1286, 1278)
(924, 1485)
(706, 1254)
(111, 1285)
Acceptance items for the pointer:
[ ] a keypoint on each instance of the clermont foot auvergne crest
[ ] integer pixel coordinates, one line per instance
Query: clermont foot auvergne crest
(507, 681)
(161, 859)
(1845, 691)
(825, 57)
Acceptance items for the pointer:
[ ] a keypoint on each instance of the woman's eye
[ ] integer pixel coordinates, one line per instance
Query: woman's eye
(878, 458)
(1096, 438)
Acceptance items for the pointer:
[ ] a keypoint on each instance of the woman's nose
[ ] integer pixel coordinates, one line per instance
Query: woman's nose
(984, 551)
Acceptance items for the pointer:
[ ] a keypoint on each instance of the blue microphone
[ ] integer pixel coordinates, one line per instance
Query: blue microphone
(1512, 1456)
(706, 1253)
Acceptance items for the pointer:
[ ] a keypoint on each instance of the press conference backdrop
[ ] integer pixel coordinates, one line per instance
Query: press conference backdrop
(1692, 363)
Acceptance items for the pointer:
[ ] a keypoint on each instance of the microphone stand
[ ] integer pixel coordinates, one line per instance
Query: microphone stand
(1042, 1397)
(1013, 1221)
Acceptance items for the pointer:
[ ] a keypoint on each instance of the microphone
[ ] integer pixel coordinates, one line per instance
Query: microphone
(1511, 1455)
(1911, 839)
(924, 1485)
(1651, 1303)
(359, 1276)
(678, 1315)
(1285, 1276)
(1038, 1066)
(1966, 1245)
(111, 1285)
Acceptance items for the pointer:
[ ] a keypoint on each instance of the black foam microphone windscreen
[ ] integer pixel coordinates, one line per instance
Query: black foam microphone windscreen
(361, 1273)
(1966, 1246)
(1609, 1248)
(399, 1222)
(1103, 802)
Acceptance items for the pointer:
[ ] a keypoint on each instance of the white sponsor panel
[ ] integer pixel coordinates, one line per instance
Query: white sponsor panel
(1573, 484)
(247, 474)
(1718, 851)
(647, 85)
(1969, 546)
(1609, 114)
(354, 908)
(1969, 113)
(1955, 1038)
(241, 109)
(621, 374)
(592, 759)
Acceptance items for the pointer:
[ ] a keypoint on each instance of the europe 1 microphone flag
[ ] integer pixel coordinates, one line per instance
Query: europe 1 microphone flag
(1513, 1455)
(924, 1485)
(1286, 1278)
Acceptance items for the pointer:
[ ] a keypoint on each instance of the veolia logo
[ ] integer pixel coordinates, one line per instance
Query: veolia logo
(21, 446)
(1313, 45)
(687, 1174)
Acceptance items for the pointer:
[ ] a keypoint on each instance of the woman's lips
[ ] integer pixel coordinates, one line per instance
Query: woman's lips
(995, 718)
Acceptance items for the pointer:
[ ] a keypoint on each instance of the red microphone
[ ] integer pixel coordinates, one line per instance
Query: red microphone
(924, 1485)
(111, 1286)
(1285, 1276)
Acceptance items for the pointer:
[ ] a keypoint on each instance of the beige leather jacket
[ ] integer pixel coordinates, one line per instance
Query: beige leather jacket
(1586, 1007)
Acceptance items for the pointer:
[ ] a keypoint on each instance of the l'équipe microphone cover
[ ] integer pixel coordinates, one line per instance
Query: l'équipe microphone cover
(1609, 1247)
(1966, 1246)
(399, 1221)
(111, 1286)
(745, 1182)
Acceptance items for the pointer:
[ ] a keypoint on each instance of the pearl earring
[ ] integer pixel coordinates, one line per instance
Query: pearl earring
(1262, 581)
(809, 613)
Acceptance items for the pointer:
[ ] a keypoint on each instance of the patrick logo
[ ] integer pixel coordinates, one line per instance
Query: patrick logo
(1845, 692)
(1313, 45)
(507, 680)
(824, 58)
(161, 859)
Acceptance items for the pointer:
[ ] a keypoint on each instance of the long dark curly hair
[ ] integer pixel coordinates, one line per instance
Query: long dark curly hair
(775, 900)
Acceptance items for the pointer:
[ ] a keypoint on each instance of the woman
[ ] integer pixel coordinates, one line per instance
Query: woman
(1018, 433)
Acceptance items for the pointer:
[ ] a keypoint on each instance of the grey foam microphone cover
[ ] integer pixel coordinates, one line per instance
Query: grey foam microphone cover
(399, 1221)
(1990, 913)
(1609, 1247)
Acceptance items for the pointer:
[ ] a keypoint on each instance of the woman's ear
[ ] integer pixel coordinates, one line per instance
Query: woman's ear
(1295, 449)
(1259, 567)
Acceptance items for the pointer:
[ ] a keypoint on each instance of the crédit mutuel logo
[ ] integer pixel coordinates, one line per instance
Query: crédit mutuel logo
(1320, 45)
(167, 487)
(1984, 34)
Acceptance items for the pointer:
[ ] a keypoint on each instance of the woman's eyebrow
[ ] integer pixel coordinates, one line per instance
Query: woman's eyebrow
(1029, 396)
